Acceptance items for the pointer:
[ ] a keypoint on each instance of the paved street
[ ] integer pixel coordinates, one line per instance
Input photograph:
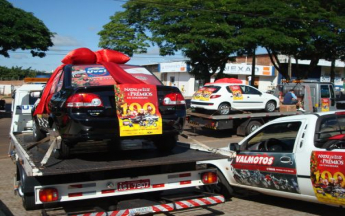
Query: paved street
(10, 205)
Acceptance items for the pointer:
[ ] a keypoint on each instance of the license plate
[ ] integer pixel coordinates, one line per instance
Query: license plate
(133, 185)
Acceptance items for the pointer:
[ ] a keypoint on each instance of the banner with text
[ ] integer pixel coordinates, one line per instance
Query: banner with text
(137, 109)
(327, 176)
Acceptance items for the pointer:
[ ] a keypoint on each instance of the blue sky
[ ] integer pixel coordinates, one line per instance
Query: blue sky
(76, 24)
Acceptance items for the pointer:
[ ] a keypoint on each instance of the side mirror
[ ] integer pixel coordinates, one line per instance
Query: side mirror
(35, 94)
(234, 147)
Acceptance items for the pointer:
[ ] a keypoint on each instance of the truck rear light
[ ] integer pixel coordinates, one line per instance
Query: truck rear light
(209, 178)
(172, 99)
(81, 100)
(48, 195)
(214, 96)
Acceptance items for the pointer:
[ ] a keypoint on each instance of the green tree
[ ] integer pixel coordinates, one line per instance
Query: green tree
(305, 30)
(18, 73)
(210, 31)
(194, 27)
(22, 30)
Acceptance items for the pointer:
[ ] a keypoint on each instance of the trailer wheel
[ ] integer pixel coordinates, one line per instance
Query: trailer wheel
(222, 187)
(224, 108)
(63, 152)
(28, 199)
(166, 143)
(29, 202)
(270, 106)
(37, 133)
(252, 126)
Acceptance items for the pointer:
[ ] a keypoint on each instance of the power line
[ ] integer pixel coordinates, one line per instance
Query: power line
(144, 56)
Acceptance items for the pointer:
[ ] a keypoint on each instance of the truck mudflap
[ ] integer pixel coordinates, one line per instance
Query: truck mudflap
(169, 207)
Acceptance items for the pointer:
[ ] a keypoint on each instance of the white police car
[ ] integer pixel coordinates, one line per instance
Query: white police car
(223, 97)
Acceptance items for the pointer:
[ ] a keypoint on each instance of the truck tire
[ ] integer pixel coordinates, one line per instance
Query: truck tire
(224, 108)
(37, 133)
(63, 152)
(166, 143)
(270, 106)
(29, 202)
(222, 187)
(252, 126)
(28, 199)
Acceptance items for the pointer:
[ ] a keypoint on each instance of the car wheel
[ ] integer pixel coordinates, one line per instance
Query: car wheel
(166, 143)
(224, 108)
(37, 133)
(270, 106)
(252, 126)
(63, 152)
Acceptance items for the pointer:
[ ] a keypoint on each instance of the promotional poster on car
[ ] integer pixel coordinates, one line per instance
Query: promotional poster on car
(87, 75)
(275, 171)
(236, 92)
(203, 94)
(325, 104)
(327, 176)
(137, 109)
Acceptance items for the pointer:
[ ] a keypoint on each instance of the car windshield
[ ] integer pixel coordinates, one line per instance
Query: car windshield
(95, 75)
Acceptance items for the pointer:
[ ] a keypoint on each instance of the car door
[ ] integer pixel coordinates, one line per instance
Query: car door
(267, 159)
(252, 98)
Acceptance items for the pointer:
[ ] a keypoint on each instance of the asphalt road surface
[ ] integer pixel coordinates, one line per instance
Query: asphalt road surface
(255, 204)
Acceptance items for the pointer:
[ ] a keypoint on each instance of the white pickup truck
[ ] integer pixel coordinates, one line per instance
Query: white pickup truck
(299, 157)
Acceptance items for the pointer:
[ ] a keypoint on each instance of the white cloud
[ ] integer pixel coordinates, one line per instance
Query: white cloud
(59, 41)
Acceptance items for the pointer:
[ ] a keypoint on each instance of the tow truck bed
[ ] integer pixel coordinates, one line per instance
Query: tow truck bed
(244, 123)
(99, 160)
(241, 116)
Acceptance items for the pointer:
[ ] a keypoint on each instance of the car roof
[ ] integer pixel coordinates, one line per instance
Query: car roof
(308, 115)
(222, 84)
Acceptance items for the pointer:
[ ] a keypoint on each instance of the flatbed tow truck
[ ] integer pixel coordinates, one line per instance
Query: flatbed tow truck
(316, 96)
(133, 182)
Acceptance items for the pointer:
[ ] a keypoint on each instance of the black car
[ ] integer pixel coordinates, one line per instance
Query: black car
(83, 107)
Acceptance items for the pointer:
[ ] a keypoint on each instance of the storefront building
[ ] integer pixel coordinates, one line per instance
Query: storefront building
(178, 74)
(266, 76)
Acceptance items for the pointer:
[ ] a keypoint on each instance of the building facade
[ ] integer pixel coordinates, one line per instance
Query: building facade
(266, 76)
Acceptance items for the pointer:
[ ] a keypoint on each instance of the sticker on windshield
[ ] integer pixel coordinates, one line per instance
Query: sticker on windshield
(83, 76)
(137, 109)
(236, 92)
(327, 176)
(96, 72)
(203, 94)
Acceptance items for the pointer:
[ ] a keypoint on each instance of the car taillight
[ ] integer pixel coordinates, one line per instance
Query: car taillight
(209, 178)
(214, 96)
(84, 100)
(48, 195)
(174, 99)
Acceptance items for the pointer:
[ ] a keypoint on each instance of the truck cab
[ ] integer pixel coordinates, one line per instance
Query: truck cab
(298, 157)
(23, 102)
(316, 96)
